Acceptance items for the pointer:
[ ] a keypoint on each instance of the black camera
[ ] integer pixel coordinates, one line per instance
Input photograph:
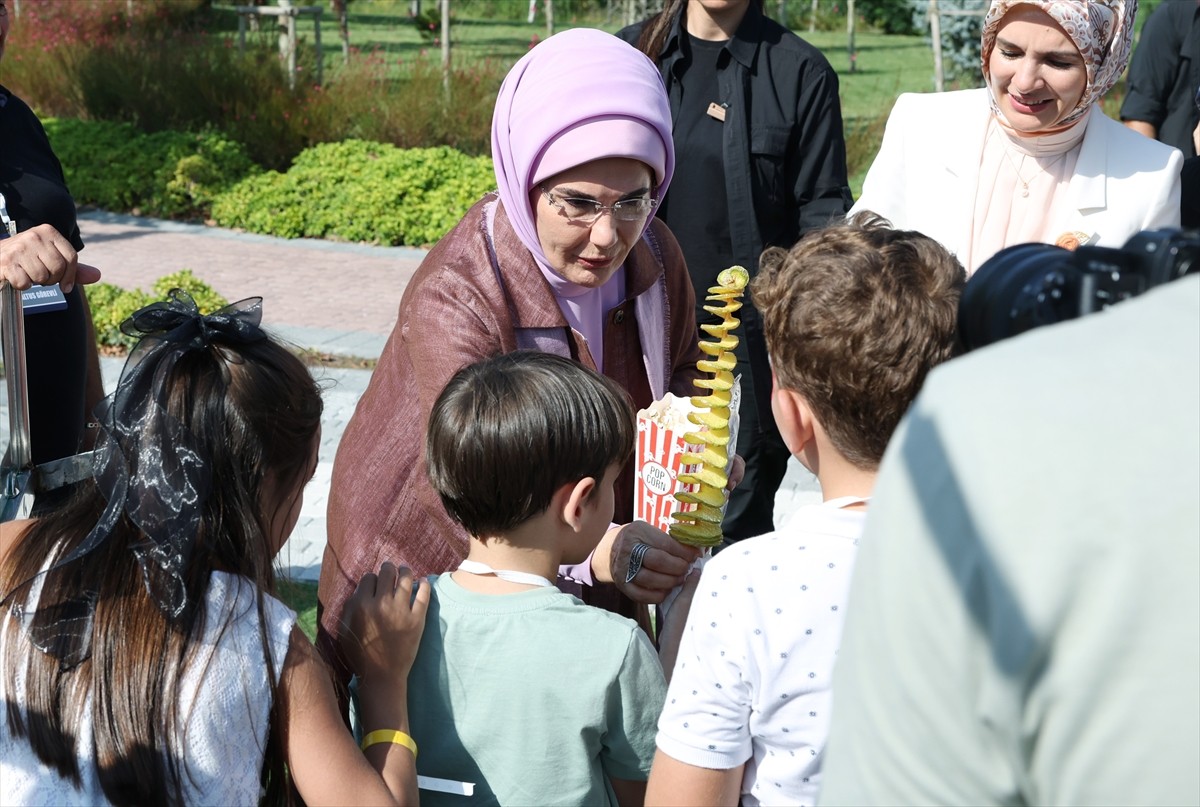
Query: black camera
(1029, 285)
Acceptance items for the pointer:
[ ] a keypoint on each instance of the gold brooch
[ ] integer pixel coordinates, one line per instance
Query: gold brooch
(1073, 240)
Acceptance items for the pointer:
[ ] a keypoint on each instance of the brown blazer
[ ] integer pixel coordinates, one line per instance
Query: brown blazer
(457, 310)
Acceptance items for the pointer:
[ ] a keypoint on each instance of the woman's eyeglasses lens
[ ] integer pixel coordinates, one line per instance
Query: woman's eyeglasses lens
(588, 211)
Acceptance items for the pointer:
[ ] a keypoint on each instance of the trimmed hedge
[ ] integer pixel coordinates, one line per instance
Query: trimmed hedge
(165, 174)
(112, 305)
(361, 191)
(356, 190)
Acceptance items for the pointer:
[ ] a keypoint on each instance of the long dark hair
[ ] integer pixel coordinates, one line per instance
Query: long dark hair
(657, 28)
(252, 411)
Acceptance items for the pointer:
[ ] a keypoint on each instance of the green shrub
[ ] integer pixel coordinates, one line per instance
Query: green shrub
(175, 65)
(112, 305)
(52, 39)
(429, 25)
(888, 16)
(194, 82)
(165, 174)
(372, 98)
(207, 300)
(360, 191)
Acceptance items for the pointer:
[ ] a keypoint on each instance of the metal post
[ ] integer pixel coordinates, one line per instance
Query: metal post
(446, 48)
(935, 34)
(850, 15)
(317, 42)
(291, 49)
(18, 460)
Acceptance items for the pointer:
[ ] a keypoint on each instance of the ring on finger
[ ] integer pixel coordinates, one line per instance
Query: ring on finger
(636, 555)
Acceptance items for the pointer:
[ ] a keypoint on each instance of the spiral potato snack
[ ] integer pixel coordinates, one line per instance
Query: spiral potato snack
(698, 523)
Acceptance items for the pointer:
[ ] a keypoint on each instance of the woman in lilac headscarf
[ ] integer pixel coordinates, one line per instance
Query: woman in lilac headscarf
(566, 258)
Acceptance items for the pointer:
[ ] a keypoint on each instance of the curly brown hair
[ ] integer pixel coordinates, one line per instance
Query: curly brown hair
(856, 314)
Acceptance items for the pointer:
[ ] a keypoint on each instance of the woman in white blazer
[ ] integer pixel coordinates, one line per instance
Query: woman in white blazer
(1031, 157)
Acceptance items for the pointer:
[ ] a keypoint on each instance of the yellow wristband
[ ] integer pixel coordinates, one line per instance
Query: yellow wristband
(390, 736)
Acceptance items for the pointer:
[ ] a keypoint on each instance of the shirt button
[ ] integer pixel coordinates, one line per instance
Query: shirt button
(618, 316)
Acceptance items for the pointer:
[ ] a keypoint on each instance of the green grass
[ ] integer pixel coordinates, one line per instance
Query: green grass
(301, 597)
(885, 66)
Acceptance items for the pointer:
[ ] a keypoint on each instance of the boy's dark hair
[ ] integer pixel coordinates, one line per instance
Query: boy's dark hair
(507, 432)
(855, 315)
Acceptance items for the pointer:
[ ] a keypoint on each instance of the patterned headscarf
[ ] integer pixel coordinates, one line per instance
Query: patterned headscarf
(1102, 30)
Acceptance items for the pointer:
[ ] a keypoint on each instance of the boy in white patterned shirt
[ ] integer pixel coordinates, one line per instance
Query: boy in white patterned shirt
(855, 316)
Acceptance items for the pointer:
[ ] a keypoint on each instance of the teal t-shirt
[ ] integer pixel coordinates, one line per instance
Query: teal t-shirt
(534, 697)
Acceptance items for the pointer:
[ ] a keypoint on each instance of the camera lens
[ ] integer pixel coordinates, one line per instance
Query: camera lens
(1019, 288)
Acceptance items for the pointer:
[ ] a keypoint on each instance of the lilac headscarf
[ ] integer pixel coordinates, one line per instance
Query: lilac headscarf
(582, 86)
(579, 96)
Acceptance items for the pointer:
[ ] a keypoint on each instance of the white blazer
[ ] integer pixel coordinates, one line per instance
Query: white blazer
(927, 171)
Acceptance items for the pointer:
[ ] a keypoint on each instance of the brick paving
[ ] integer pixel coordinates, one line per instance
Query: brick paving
(317, 293)
(331, 297)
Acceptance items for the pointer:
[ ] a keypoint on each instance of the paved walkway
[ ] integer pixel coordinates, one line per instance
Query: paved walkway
(334, 298)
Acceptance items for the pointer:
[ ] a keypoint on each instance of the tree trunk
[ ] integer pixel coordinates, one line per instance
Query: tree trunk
(548, 5)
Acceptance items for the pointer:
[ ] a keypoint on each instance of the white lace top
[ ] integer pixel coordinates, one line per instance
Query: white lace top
(226, 703)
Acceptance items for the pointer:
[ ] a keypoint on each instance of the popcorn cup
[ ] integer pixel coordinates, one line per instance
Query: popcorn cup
(662, 454)
(660, 459)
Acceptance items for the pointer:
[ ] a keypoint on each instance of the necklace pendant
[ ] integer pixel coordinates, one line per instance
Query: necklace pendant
(1024, 190)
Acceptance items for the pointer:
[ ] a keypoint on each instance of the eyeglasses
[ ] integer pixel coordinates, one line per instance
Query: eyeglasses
(588, 211)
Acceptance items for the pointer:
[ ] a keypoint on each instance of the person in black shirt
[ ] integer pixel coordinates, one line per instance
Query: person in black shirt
(62, 365)
(1164, 75)
(760, 160)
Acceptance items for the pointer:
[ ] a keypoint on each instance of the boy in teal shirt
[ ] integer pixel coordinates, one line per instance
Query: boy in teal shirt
(518, 688)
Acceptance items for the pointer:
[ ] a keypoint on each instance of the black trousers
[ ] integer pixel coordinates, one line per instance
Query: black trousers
(751, 509)
(56, 366)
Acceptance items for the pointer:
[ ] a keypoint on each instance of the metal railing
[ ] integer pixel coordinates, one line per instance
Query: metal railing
(16, 470)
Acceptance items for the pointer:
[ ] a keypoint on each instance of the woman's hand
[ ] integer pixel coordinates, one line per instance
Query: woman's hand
(664, 563)
(40, 257)
(737, 471)
(382, 623)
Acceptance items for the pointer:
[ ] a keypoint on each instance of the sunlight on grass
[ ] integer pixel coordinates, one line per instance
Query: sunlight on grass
(301, 596)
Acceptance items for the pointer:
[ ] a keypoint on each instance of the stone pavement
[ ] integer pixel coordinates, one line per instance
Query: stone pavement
(330, 297)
